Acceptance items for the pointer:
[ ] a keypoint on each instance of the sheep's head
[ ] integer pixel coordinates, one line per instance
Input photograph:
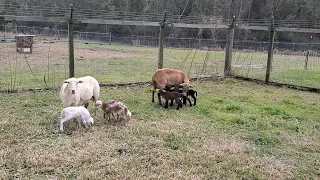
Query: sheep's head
(91, 120)
(184, 88)
(98, 104)
(72, 85)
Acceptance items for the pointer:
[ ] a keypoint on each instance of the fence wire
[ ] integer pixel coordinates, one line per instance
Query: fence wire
(116, 59)
(293, 63)
(111, 59)
(62, 13)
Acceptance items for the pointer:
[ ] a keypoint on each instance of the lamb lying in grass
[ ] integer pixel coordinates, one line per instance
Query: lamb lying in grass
(114, 110)
(171, 95)
(80, 113)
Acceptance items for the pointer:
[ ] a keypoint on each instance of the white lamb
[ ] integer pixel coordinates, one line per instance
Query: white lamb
(80, 113)
(114, 110)
(78, 91)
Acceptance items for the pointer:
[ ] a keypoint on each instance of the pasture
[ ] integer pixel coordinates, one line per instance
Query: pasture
(48, 65)
(238, 130)
(287, 67)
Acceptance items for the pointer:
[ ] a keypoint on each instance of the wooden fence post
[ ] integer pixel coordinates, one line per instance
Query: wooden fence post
(71, 47)
(270, 50)
(229, 46)
(161, 42)
(307, 59)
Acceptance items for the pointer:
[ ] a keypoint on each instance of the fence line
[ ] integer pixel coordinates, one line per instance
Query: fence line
(62, 13)
(199, 43)
(249, 57)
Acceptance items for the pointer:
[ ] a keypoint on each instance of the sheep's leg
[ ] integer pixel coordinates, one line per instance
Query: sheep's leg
(61, 125)
(85, 124)
(112, 116)
(178, 101)
(153, 91)
(194, 99)
(159, 98)
(62, 121)
(189, 101)
(193, 94)
(185, 100)
(171, 104)
(166, 105)
(79, 122)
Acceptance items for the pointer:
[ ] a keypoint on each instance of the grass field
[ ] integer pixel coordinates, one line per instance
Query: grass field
(288, 69)
(48, 65)
(238, 130)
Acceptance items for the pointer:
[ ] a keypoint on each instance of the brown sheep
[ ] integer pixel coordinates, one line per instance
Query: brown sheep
(169, 77)
(171, 95)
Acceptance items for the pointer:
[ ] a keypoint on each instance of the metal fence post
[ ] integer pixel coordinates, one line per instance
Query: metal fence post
(228, 58)
(71, 47)
(270, 50)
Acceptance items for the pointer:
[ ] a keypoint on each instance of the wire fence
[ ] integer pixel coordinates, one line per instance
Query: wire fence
(63, 13)
(107, 57)
(292, 63)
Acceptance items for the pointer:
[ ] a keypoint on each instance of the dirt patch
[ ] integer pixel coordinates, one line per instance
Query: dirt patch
(99, 53)
(57, 51)
(254, 66)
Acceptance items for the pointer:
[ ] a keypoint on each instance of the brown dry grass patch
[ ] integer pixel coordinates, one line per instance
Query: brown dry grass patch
(57, 51)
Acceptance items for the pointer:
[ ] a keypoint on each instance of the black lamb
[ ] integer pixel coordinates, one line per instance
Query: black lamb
(191, 92)
(171, 95)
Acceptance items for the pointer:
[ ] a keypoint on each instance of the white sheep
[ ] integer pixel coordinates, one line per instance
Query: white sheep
(80, 113)
(115, 110)
(78, 91)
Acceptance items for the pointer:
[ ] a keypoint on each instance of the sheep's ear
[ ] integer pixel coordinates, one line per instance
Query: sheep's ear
(80, 81)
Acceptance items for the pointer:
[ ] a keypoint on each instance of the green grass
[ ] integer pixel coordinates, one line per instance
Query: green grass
(238, 130)
(304, 77)
(287, 69)
(122, 63)
(107, 63)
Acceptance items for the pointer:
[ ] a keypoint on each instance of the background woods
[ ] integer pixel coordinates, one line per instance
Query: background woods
(220, 9)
